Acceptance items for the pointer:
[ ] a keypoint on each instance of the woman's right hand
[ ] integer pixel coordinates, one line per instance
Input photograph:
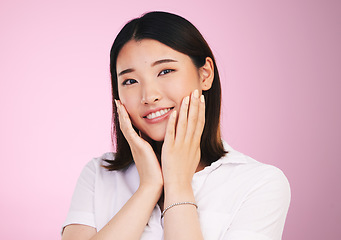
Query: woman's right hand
(137, 210)
(144, 157)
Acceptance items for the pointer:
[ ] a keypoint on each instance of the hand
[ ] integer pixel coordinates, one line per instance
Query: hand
(180, 155)
(144, 157)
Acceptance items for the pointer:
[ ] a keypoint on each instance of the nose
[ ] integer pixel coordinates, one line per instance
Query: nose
(150, 94)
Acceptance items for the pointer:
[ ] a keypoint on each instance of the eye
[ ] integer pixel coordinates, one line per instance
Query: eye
(129, 82)
(163, 72)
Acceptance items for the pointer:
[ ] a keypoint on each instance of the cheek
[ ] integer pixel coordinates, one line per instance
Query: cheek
(183, 87)
(130, 102)
(126, 96)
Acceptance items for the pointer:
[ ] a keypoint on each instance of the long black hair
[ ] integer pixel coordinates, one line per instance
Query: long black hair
(182, 36)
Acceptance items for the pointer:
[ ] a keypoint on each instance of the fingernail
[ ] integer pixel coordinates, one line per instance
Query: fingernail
(202, 98)
(117, 106)
(186, 100)
(196, 93)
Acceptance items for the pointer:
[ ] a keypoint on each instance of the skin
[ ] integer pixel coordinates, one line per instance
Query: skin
(153, 76)
(150, 86)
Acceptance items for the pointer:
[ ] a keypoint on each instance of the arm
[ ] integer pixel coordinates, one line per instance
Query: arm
(137, 211)
(180, 159)
(135, 214)
(263, 211)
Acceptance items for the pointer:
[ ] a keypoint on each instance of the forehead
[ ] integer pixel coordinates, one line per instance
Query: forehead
(146, 51)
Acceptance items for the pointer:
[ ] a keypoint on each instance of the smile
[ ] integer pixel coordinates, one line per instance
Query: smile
(158, 113)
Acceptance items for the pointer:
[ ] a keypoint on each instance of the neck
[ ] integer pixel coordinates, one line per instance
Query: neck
(157, 147)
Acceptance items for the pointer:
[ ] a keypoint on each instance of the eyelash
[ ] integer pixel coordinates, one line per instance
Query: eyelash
(163, 72)
(166, 72)
(125, 82)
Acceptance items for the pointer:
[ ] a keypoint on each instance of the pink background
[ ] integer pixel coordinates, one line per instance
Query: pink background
(280, 68)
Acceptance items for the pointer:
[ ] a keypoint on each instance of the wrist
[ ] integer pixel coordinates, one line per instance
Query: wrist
(178, 189)
(152, 189)
(175, 193)
(178, 183)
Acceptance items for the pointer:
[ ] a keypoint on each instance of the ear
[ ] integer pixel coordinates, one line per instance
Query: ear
(207, 74)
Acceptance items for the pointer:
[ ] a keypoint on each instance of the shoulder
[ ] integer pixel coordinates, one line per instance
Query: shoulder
(95, 165)
(98, 162)
(243, 172)
(239, 193)
(246, 164)
(96, 168)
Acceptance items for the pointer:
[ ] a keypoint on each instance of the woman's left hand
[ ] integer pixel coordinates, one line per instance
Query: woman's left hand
(181, 149)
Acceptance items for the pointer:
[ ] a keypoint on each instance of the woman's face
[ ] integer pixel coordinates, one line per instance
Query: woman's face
(153, 79)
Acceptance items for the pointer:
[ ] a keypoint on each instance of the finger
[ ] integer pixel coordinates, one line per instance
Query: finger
(182, 121)
(170, 130)
(201, 121)
(192, 115)
(125, 123)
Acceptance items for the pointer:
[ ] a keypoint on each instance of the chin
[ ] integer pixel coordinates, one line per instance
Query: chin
(157, 137)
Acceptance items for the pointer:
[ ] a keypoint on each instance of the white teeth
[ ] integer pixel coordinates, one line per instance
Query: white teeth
(158, 113)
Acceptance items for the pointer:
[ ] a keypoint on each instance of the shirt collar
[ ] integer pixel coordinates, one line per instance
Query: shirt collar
(231, 157)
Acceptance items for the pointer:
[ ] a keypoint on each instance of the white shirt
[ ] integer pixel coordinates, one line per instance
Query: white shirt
(238, 198)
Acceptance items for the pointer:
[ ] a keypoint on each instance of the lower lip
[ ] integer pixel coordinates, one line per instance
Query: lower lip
(160, 118)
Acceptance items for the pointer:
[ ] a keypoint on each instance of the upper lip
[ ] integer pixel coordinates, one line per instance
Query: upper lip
(154, 110)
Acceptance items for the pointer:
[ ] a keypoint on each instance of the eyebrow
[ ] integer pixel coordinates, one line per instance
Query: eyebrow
(129, 70)
(163, 61)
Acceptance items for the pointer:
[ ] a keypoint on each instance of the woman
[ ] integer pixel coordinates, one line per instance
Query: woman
(172, 177)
